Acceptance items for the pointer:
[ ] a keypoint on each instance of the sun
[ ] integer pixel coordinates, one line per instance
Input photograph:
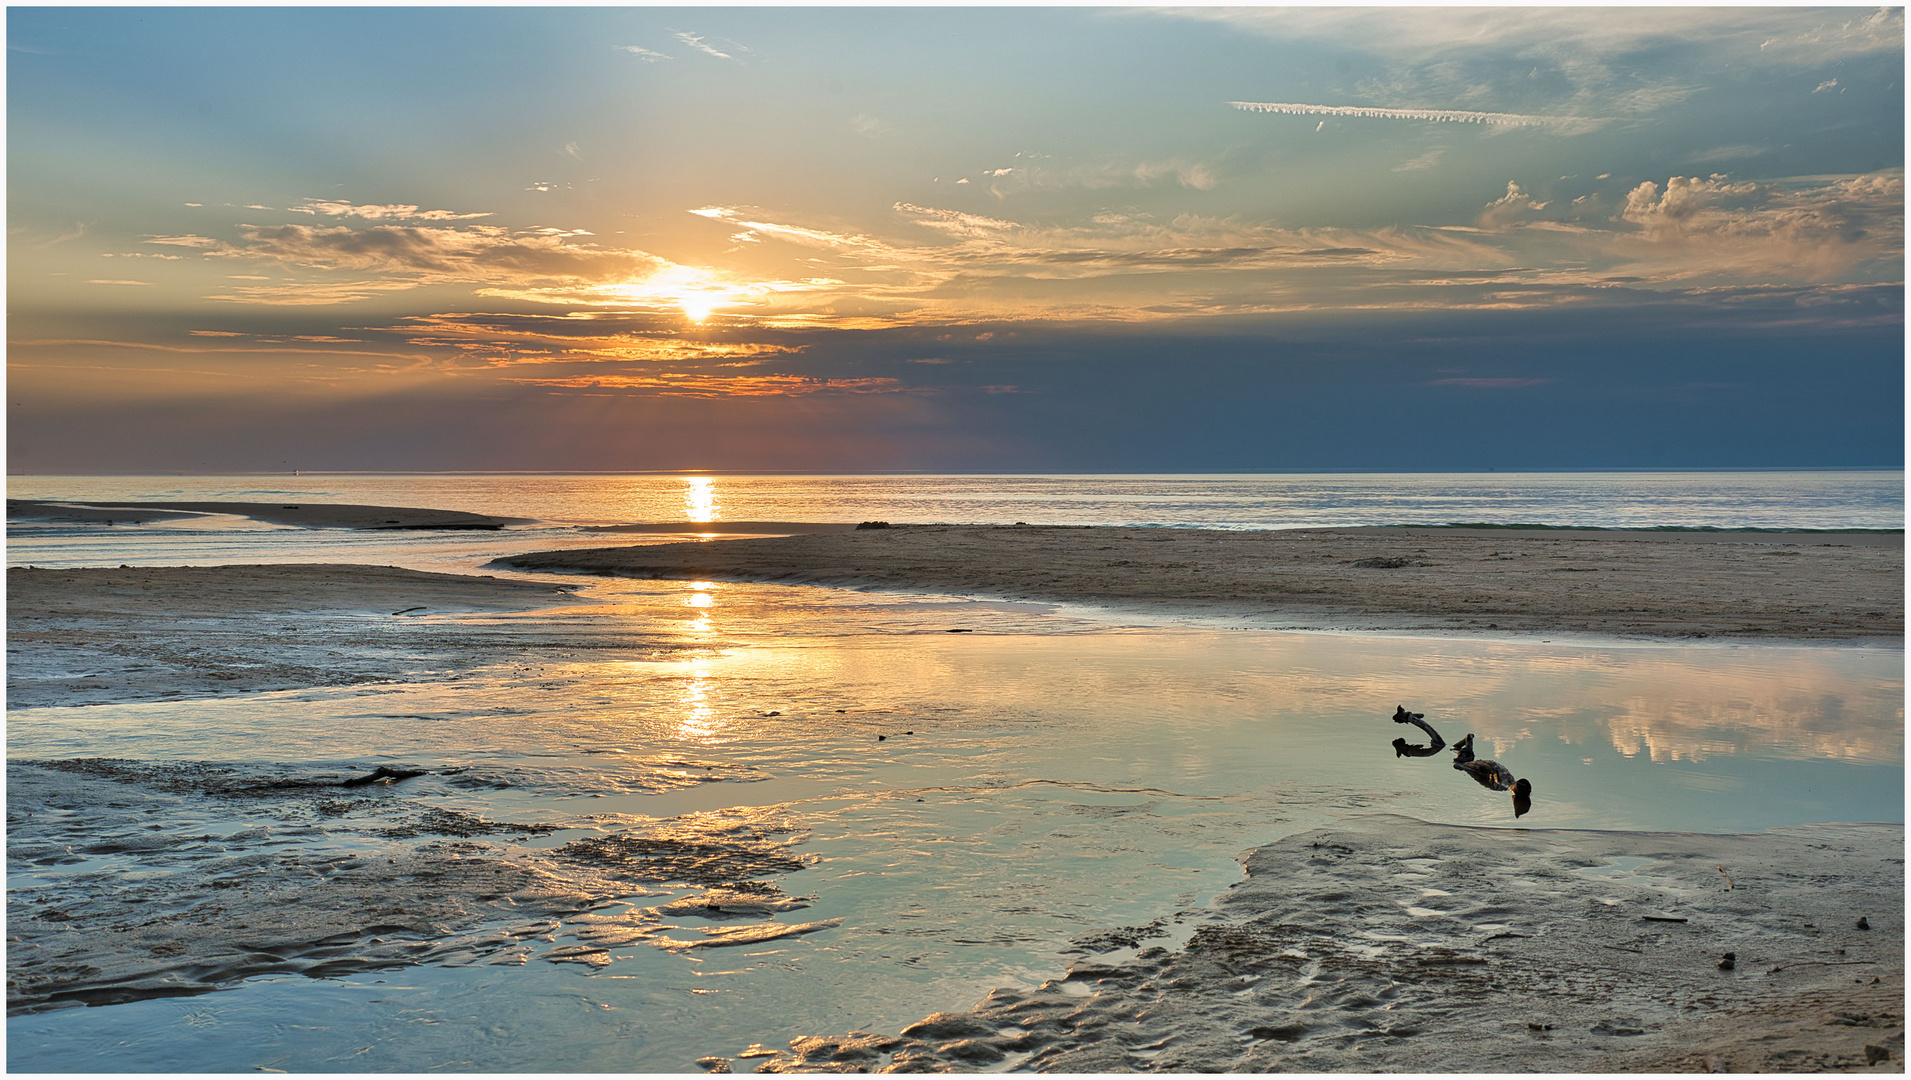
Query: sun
(697, 306)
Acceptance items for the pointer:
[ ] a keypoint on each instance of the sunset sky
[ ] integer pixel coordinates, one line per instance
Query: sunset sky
(955, 239)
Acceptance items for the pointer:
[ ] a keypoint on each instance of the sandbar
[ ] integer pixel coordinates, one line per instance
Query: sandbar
(302, 515)
(1659, 584)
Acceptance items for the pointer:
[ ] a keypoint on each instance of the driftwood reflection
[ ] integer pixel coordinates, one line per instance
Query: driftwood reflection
(1488, 773)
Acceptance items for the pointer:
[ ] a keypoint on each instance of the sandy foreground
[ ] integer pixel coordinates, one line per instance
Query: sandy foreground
(197, 875)
(1758, 585)
(1382, 944)
(1388, 944)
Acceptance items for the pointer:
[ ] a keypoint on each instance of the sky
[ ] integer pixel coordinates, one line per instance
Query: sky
(954, 239)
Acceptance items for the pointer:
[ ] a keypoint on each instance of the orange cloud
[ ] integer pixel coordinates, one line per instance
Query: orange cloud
(714, 386)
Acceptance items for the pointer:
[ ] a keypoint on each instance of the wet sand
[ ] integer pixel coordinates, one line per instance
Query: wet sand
(1389, 944)
(1830, 586)
(1384, 944)
(302, 515)
(194, 876)
(98, 635)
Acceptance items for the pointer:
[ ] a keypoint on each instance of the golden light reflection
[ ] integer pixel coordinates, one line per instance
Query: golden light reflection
(699, 722)
(700, 499)
(701, 600)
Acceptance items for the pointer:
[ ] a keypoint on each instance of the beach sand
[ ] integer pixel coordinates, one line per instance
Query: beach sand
(1755, 585)
(1382, 944)
(1388, 944)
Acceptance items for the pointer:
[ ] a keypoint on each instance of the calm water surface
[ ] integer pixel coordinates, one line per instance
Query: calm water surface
(1069, 772)
(1812, 500)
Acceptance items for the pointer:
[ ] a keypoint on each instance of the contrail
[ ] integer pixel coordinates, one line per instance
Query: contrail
(1566, 124)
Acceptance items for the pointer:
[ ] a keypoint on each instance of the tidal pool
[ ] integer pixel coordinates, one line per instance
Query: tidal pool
(977, 808)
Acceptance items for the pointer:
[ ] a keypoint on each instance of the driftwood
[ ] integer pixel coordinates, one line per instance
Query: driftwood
(382, 774)
(1490, 774)
(1403, 748)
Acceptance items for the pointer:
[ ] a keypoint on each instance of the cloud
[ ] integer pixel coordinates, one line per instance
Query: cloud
(1685, 198)
(1564, 125)
(1510, 207)
(187, 240)
(1425, 161)
(1035, 175)
(508, 339)
(203, 350)
(478, 253)
(114, 281)
(1584, 61)
(1603, 35)
(946, 265)
(1769, 232)
(713, 386)
(310, 294)
(1724, 153)
(954, 222)
(641, 53)
(697, 42)
(1826, 86)
(379, 211)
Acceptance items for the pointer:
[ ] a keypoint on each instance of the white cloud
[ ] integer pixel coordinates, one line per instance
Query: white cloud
(641, 53)
(187, 240)
(1620, 63)
(1564, 125)
(1761, 233)
(954, 222)
(311, 294)
(1425, 161)
(1803, 34)
(1827, 85)
(1509, 207)
(696, 42)
(377, 211)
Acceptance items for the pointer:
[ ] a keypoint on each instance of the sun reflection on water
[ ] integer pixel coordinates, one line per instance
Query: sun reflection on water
(699, 722)
(700, 499)
(701, 601)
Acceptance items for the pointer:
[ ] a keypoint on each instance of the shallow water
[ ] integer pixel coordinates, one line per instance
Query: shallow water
(1820, 499)
(1050, 775)
(1063, 777)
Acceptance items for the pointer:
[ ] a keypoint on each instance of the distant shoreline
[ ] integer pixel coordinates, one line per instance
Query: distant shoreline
(300, 515)
(1656, 584)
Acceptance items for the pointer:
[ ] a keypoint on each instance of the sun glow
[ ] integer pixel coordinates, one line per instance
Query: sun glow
(699, 499)
(698, 293)
(697, 306)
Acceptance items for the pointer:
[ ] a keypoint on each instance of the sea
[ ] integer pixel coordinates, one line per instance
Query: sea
(1054, 779)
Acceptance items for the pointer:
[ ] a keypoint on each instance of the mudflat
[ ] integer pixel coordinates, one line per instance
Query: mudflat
(302, 515)
(1388, 944)
(135, 633)
(1813, 586)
